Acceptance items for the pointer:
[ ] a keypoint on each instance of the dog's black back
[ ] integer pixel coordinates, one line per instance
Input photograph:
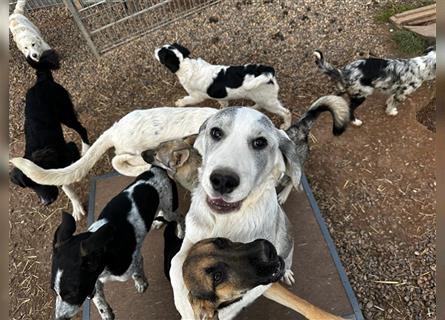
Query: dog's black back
(145, 198)
(233, 77)
(42, 120)
(48, 106)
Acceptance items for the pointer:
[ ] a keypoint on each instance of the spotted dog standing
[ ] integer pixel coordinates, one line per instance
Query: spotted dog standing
(203, 80)
(395, 77)
(110, 249)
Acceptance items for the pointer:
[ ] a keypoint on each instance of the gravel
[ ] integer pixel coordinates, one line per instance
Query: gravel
(375, 185)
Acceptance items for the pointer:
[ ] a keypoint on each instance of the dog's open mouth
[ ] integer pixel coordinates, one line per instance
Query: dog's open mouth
(220, 206)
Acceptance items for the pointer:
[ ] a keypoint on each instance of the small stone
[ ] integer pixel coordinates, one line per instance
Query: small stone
(213, 19)
(278, 36)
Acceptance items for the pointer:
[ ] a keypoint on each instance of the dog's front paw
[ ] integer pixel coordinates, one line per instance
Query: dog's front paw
(180, 103)
(285, 125)
(288, 277)
(85, 148)
(223, 104)
(78, 212)
(357, 122)
(392, 112)
(282, 197)
(156, 224)
(140, 285)
(106, 313)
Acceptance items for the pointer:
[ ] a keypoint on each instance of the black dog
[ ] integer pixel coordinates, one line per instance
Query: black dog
(48, 106)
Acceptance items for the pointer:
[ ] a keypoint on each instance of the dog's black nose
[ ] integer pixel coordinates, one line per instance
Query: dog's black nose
(224, 181)
(34, 55)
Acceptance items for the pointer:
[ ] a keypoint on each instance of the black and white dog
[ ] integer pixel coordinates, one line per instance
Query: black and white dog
(203, 80)
(48, 105)
(395, 77)
(111, 248)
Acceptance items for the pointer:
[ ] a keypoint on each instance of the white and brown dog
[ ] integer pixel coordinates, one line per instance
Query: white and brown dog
(203, 80)
(25, 34)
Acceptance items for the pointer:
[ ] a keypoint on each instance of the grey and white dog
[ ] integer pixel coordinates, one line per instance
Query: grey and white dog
(243, 158)
(394, 77)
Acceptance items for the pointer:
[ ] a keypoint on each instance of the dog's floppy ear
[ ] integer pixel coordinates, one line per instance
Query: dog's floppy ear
(180, 157)
(97, 241)
(203, 309)
(184, 51)
(65, 230)
(200, 139)
(291, 158)
(17, 177)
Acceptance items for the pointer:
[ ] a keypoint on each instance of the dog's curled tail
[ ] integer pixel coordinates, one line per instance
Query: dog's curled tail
(74, 172)
(326, 67)
(20, 7)
(336, 105)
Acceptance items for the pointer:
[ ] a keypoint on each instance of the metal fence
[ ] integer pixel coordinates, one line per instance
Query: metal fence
(36, 4)
(107, 24)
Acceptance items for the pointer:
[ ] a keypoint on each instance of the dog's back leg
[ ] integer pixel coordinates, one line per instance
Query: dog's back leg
(72, 153)
(78, 211)
(68, 117)
(277, 108)
(356, 101)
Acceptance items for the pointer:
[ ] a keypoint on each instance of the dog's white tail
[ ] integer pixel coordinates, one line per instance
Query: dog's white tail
(265, 78)
(70, 174)
(20, 7)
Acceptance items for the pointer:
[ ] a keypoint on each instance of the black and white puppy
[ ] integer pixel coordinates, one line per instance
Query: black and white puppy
(48, 106)
(203, 80)
(394, 77)
(111, 248)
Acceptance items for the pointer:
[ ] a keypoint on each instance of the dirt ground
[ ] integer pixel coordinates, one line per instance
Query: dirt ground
(375, 185)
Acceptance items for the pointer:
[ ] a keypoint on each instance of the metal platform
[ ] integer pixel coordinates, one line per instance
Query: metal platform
(320, 277)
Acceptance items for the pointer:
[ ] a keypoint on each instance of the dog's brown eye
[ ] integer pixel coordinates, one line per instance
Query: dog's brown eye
(259, 143)
(216, 133)
(33, 44)
(217, 277)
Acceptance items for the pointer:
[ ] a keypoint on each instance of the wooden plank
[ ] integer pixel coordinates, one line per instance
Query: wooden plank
(416, 16)
(417, 10)
(428, 31)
